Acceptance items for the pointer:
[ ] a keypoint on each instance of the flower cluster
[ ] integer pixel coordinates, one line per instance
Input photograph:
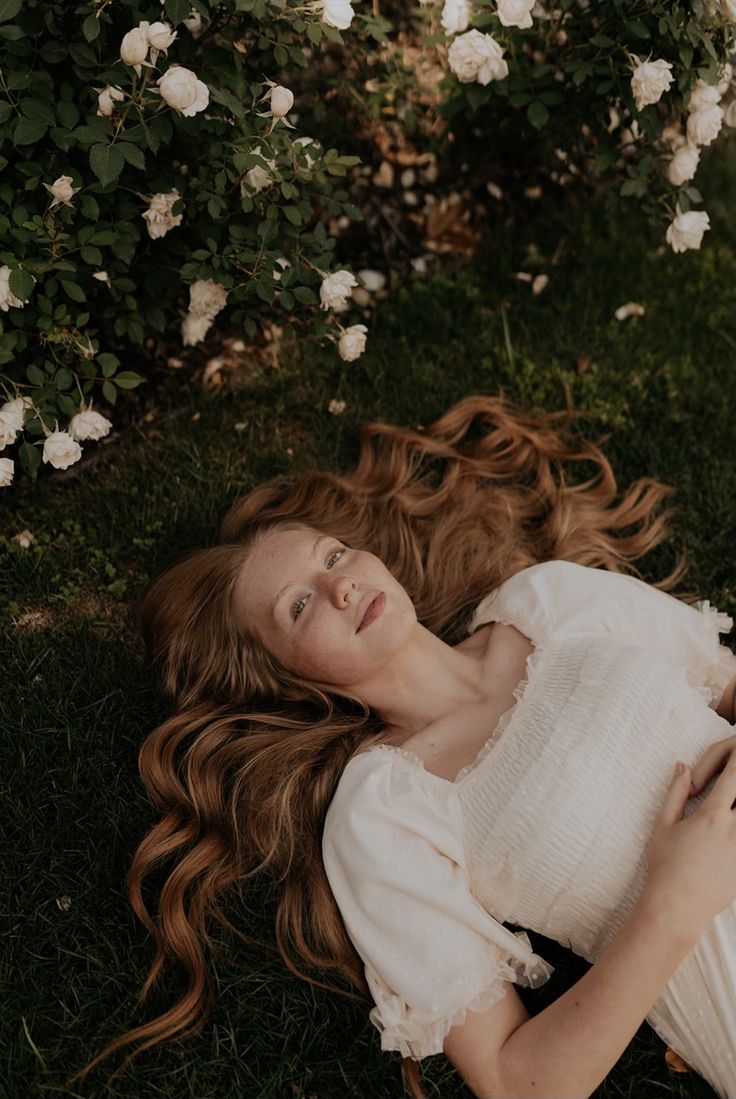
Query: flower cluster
(334, 292)
(206, 299)
(61, 448)
(477, 57)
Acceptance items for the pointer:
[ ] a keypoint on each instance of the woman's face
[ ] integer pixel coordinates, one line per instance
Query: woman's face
(305, 594)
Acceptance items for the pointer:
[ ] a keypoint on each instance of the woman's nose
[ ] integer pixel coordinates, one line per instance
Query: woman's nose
(341, 591)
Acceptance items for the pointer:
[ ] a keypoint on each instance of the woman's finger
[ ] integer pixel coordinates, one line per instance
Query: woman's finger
(710, 763)
(724, 788)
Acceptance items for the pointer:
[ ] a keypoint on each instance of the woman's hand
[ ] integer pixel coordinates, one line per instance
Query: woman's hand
(710, 763)
(692, 860)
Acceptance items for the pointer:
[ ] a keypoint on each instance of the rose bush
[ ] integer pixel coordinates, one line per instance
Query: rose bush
(147, 157)
(606, 91)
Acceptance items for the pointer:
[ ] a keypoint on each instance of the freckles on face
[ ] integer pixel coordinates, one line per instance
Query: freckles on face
(305, 593)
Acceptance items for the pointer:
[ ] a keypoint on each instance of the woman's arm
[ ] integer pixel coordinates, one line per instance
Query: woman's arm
(569, 1047)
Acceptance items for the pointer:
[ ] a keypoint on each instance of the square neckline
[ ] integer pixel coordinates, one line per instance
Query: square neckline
(496, 735)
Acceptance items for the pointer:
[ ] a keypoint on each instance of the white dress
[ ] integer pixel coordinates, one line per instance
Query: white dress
(548, 827)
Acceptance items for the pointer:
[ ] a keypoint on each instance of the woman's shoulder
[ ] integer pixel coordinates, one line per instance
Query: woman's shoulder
(533, 598)
(387, 787)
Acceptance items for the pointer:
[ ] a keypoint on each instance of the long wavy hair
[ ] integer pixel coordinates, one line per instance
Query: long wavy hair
(244, 769)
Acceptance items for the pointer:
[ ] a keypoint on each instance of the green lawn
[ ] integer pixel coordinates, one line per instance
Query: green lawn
(77, 700)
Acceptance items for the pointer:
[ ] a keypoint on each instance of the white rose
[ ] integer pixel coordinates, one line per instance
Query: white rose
(14, 412)
(335, 13)
(8, 430)
(684, 164)
(649, 80)
(456, 15)
(194, 329)
(702, 95)
(730, 116)
(206, 298)
(107, 98)
(515, 13)
(181, 90)
(335, 289)
(194, 23)
(7, 466)
(89, 424)
(351, 344)
(686, 230)
(476, 56)
(283, 264)
(158, 217)
(257, 178)
(161, 36)
(62, 190)
(61, 450)
(704, 126)
(728, 8)
(101, 276)
(282, 100)
(134, 47)
(7, 297)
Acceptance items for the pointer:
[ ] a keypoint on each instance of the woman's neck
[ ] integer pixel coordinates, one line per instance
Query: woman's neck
(424, 683)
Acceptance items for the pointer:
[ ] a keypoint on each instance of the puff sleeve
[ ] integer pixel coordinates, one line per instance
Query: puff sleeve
(558, 599)
(392, 849)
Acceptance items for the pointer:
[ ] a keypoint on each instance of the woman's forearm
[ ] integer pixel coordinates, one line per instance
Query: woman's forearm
(566, 1050)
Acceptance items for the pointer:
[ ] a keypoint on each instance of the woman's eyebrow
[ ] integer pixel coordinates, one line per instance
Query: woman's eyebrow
(321, 538)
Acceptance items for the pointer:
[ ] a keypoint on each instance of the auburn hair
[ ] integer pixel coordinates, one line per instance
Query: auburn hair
(243, 770)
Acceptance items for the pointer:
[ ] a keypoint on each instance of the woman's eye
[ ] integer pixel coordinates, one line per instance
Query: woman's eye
(299, 606)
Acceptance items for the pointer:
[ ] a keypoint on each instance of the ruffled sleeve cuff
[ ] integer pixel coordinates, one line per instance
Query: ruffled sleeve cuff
(418, 1034)
(717, 665)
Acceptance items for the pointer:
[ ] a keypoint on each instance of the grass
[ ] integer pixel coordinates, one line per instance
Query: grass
(77, 700)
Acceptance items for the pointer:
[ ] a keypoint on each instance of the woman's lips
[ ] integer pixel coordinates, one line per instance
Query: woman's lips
(374, 609)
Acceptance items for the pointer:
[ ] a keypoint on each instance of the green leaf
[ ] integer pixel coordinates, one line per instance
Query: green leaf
(76, 293)
(636, 27)
(11, 33)
(36, 108)
(64, 378)
(103, 236)
(293, 215)
(91, 255)
(29, 456)
(314, 33)
(286, 299)
(35, 376)
(106, 161)
(128, 379)
(28, 130)
(133, 154)
(305, 295)
(601, 40)
(537, 114)
(91, 27)
(177, 10)
(109, 392)
(89, 207)
(67, 114)
(9, 9)
(108, 362)
(21, 283)
(52, 52)
(66, 404)
(5, 110)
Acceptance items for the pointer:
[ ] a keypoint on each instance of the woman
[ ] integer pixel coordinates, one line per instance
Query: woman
(427, 700)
